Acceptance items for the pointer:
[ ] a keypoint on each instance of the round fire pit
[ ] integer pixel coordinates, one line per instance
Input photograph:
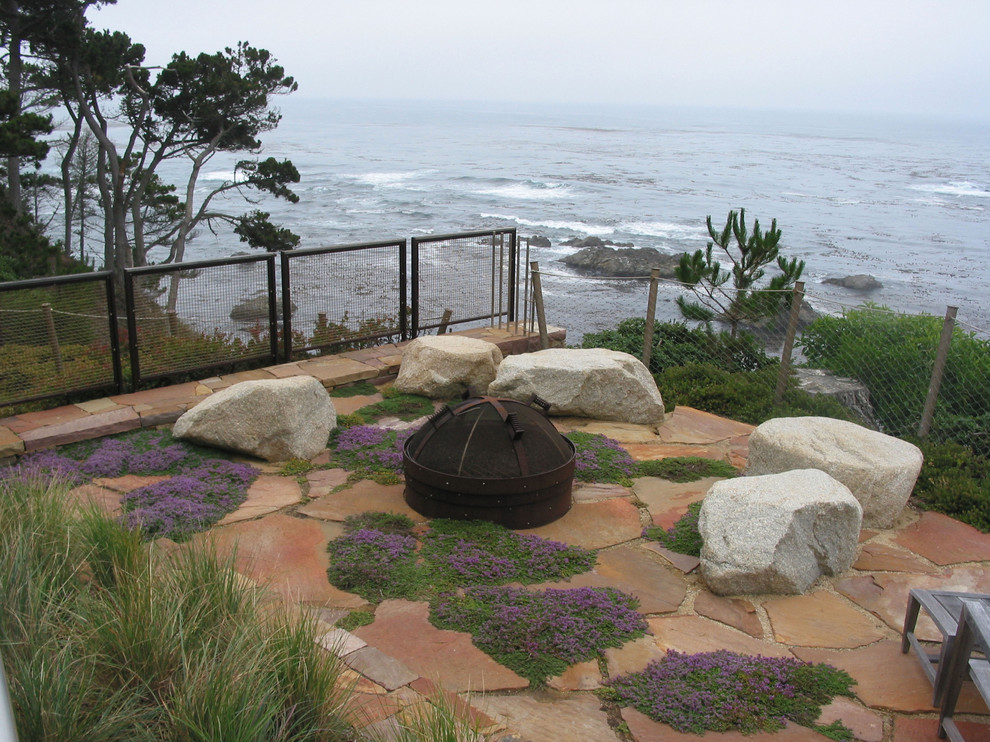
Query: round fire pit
(492, 459)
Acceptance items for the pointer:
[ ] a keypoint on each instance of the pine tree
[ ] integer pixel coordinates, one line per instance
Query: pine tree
(734, 295)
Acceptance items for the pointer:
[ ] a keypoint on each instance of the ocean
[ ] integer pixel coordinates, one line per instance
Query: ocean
(904, 200)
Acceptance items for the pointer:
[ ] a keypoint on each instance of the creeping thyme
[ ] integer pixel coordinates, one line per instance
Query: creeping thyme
(722, 690)
(368, 450)
(538, 634)
(683, 537)
(601, 459)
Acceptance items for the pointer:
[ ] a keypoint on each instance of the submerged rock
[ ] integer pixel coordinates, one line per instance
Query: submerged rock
(628, 261)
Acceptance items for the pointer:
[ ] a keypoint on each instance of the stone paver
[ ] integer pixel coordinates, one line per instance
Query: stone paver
(735, 612)
(886, 679)
(81, 428)
(667, 501)
(636, 572)
(866, 724)
(594, 491)
(594, 525)
(656, 451)
(323, 481)
(632, 656)
(267, 494)
(402, 629)
(10, 443)
(128, 482)
(883, 558)
(104, 499)
(688, 425)
(691, 634)
(380, 667)
(551, 716)
(886, 595)
(684, 562)
(913, 729)
(644, 729)
(340, 642)
(365, 496)
(945, 540)
(287, 554)
(820, 619)
(579, 676)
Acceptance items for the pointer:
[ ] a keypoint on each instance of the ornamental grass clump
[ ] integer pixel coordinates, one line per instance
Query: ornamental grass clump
(538, 634)
(601, 459)
(721, 691)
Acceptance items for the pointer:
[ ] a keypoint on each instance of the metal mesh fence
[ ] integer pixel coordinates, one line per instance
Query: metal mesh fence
(56, 337)
(463, 279)
(203, 315)
(344, 297)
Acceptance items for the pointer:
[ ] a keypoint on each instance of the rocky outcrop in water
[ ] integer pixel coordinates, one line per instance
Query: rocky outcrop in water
(859, 282)
(628, 261)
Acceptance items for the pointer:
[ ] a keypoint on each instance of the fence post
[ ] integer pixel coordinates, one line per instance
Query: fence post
(785, 354)
(651, 314)
(53, 337)
(943, 351)
(541, 316)
(444, 321)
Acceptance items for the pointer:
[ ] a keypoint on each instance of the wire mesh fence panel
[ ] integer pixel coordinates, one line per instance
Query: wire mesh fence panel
(346, 297)
(962, 408)
(894, 355)
(464, 279)
(56, 337)
(199, 316)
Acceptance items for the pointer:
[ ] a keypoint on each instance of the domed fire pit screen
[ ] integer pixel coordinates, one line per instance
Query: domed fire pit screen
(490, 459)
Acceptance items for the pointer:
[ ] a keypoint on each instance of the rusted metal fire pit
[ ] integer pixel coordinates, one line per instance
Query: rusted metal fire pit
(491, 459)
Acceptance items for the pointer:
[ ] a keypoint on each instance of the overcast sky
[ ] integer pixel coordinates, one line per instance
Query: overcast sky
(925, 56)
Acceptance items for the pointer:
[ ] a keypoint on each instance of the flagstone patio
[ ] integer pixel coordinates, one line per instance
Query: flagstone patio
(851, 621)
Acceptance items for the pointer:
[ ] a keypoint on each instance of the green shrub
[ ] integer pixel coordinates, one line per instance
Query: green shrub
(746, 396)
(676, 344)
(955, 481)
(894, 355)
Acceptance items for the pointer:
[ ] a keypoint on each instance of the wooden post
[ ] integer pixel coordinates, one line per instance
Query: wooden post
(785, 354)
(541, 316)
(444, 321)
(948, 325)
(53, 337)
(651, 314)
(173, 323)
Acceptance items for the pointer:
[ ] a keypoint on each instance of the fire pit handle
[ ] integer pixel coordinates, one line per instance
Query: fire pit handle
(539, 402)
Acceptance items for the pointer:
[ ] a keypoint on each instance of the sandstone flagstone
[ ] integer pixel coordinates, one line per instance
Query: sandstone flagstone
(688, 425)
(323, 481)
(91, 495)
(875, 557)
(635, 572)
(916, 729)
(735, 612)
(684, 562)
(820, 619)
(594, 525)
(886, 595)
(667, 501)
(579, 676)
(644, 729)
(886, 679)
(287, 554)
(402, 629)
(365, 496)
(866, 724)
(267, 494)
(128, 482)
(692, 634)
(945, 540)
(380, 667)
(632, 656)
(539, 716)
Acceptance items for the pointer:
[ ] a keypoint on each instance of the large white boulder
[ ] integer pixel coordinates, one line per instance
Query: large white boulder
(596, 383)
(445, 366)
(777, 533)
(879, 470)
(275, 420)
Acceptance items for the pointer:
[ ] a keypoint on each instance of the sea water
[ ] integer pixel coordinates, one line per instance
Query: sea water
(904, 200)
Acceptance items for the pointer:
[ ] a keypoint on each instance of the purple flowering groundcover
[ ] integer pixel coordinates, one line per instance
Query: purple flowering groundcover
(722, 690)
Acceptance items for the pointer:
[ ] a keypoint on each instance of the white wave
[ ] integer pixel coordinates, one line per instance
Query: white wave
(667, 230)
(397, 179)
(588, 229)
(222, 175)
(955, 188)
(526, 191)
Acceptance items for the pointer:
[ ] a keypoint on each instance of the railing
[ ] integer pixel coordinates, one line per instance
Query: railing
(60, 335)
